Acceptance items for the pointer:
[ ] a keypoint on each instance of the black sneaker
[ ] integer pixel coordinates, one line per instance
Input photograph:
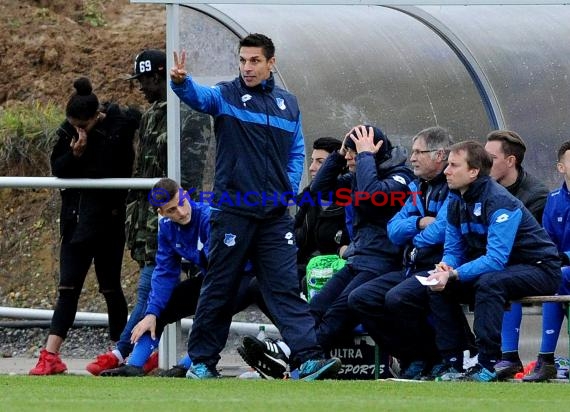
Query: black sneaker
(177, 371)
(542, 372)
(266, 357)
(125, 370)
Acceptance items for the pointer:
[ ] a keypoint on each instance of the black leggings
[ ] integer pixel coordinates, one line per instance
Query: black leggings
(106, 252)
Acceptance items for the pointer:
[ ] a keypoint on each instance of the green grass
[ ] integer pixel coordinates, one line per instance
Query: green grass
(85, 393)
(27, 137)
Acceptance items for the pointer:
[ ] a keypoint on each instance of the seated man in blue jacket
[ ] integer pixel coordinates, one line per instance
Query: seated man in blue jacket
(183, 234)
(420, 227)
(495, 251)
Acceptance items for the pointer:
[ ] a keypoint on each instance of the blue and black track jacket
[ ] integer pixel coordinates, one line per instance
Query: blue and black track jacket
(428, 198)
(367, 222)
(259, 143)
(489, 229)
(175, 242)
(556, 218)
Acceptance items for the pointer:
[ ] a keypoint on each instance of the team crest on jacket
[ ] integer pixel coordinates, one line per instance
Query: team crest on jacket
(280, 103)
(230, 240)
(477, 209)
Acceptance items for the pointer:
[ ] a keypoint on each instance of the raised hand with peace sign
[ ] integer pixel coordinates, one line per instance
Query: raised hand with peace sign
(178, 72)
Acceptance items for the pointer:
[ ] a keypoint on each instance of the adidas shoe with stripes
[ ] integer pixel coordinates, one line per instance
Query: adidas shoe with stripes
(266, 357)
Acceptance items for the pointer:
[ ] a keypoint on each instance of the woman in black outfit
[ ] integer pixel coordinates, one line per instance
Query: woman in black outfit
(93, 142)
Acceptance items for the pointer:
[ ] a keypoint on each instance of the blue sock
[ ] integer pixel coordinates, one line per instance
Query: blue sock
(511, 328)
(552, 317)
(185, 361)
(142, 350)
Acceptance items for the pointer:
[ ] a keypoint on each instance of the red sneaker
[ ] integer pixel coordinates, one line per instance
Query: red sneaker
(48, 364)
(152, 363)
(102, 363)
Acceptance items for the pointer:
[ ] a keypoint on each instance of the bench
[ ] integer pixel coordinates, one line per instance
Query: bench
(539, 300)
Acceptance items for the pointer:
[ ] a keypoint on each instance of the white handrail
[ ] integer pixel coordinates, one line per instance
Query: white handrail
(242, 328)
(56, 182)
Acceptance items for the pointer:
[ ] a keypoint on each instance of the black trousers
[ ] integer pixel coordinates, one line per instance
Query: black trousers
(488, 293)
(105, 251)
(269, 245)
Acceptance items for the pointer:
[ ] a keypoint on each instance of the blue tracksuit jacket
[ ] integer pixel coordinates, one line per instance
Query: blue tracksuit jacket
(403, 229)
(259, 143)
(556, 218)
(488, 229)
(369, 248)
(175, 242)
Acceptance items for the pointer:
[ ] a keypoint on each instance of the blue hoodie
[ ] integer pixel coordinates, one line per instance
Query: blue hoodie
(403, 228)
(369, 249)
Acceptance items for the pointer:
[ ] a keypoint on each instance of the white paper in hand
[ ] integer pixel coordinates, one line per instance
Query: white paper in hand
(424, 281)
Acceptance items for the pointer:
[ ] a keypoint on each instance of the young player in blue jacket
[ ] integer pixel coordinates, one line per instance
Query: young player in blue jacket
(259, 162)
(183, 234)
(556, 221)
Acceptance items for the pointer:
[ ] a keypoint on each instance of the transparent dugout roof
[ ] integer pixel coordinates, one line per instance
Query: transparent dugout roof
(380, 65)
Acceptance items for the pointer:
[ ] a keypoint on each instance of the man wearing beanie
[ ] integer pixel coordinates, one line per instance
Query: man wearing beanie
(374, 167)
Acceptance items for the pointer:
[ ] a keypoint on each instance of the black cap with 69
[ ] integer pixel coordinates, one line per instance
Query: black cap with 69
(148, 62)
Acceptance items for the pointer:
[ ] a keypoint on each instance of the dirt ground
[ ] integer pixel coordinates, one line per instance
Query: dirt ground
(44, 46)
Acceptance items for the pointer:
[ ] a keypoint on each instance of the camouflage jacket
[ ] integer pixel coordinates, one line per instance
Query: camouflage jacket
(196, 131)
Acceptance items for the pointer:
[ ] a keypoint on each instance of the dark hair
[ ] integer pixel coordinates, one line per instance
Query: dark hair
(511, 143)
(82, 104)
(436, 138)
(328, 144)
(563, 149)
(259, 40)
(164, 191)
(476, 156)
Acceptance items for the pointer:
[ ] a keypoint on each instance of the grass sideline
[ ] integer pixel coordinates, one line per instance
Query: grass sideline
(86, 393)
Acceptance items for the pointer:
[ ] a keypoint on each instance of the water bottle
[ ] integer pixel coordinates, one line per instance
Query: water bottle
(261, 334)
